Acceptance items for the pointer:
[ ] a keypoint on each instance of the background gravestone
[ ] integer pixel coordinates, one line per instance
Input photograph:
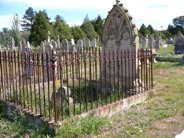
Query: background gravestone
(179, 43)
(151, 41)
(144, 42)
(65, 45)
(93, 42)
(80, 45)
(157, 42)
(119, 33)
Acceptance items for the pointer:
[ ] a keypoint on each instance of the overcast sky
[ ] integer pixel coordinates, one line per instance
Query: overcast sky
(155, 12)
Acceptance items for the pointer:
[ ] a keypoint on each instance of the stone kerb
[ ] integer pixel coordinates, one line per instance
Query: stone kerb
(120, 33)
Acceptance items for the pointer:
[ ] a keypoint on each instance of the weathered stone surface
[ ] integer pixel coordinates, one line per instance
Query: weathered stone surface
(80, 45)
(151, 41)
(119, 33)
(87, 42)
(169, 41)
(144, 41)
(158, 41)
(63, 94)
(94, 42)
(65, 45)
(179, 43)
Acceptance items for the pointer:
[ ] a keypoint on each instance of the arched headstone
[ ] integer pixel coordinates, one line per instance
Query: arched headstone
(119, 33)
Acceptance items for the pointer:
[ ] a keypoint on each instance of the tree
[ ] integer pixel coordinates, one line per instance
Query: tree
(98, 25)
(62, 29)
(88, 28)
(150, 29)
(143, 30)
(78, 33)
(40, 29)
(174, 30)
(46, 15)
(179, 21)
(28, 19)
(59, 18)
(15, 31)
(5, 36)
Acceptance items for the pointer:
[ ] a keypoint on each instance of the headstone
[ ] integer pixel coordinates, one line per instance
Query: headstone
(50, 54)
(84, 42)
(169, 41)
(179, 43)
(65, 45)
(87, 41)
(80, 45)
(54, 44)
(157, 42)
(119, 33)
(72, 49)
(65, 94)
(144, 42)
(20, 46)
(48, 34)
(27, 48)
(72, 42)
(151, 41)
(12, 46)
(94, 42)
(58, 42)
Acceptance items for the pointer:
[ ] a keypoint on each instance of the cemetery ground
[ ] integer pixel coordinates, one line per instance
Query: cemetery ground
(161, 115)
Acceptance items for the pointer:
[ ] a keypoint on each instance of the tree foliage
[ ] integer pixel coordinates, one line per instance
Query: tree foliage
(62, 29)
(173, 30)
(88, 28)
(28, 19)
(143, 30)
(179, 21)
(40, 29)
(5, 34)
(78, 33)
(150, 29)
(98, 25)
(15, 31)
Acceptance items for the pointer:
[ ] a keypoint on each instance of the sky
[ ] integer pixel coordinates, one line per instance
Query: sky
(154, 12)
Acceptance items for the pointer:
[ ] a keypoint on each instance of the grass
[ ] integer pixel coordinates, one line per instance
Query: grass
(167, 52)
(161, 115)
(166, 103)
(140, 121)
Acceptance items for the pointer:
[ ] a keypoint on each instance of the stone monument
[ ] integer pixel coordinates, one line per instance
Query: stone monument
(119, 33)
(179, 43)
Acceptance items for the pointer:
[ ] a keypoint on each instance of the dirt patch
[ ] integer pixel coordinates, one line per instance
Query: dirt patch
(167, 128)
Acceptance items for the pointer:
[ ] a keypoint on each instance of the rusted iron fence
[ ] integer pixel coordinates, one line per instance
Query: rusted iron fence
(57, 85)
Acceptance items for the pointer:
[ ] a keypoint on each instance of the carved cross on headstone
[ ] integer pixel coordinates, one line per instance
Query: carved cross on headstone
(117, 2)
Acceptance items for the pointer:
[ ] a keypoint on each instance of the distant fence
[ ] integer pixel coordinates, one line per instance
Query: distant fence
(58, 85)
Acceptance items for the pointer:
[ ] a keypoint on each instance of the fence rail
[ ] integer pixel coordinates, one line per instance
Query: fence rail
(57, 85)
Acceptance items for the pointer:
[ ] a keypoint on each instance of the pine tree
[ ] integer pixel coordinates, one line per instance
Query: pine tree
(88, 28)
(15, 31)
(28, 19)
(78, 33)
(98, 25)
(62, 29)
(143, 30)
(150, 29)
(40, 29)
